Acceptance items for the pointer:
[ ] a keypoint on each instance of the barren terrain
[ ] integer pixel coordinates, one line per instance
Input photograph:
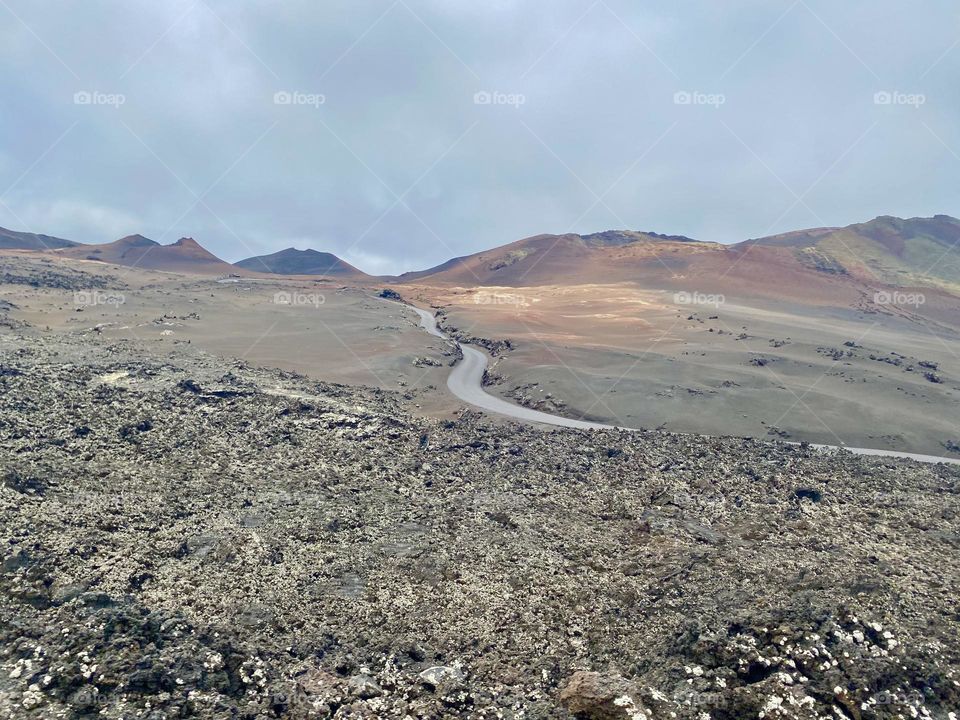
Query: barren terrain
(859, 374)
(324, 329)
(191, 537)
(865, 376)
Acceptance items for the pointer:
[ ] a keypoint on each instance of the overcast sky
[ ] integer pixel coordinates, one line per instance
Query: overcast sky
(400, 134)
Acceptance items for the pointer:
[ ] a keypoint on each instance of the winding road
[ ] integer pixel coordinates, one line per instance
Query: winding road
(466, 382)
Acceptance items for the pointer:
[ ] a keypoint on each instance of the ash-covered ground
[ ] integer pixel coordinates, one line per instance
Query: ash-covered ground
(185, 538)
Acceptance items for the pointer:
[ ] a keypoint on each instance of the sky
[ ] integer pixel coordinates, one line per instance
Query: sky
(399, 134)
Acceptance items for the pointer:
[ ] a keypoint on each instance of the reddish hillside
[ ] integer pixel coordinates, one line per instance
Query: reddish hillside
(645, 259)
(816, 266)
(185, 255)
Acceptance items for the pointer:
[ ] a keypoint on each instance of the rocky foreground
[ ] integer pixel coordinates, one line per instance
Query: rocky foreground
(189, 539)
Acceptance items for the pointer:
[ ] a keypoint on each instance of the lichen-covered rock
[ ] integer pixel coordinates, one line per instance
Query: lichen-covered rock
(597, 696)
(184, 536)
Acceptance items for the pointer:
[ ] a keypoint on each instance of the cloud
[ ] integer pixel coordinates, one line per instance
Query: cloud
(373, 263)
(88, 223)
(398, 164)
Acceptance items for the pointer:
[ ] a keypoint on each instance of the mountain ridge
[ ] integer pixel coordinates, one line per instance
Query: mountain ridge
(183, 255)
(912, 252)
(14, 240)
(903, 252)
(292, 261)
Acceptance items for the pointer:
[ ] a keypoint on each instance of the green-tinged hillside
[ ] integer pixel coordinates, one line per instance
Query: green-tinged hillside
(913, 252)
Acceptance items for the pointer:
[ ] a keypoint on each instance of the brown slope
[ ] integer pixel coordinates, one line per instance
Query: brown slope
(815, 266)
(667, 262)
(13, 240)
(518, 263)
(186, 255)
(794, 238)
(548, 259)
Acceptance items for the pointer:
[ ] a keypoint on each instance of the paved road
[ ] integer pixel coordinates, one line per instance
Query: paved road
(466, 382)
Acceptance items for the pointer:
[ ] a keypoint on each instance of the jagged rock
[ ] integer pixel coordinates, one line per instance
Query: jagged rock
(442, 678)
(364, 687)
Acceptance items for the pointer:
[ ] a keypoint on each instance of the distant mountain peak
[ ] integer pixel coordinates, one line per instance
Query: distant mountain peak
(899, 222)
(671, 238)
(184, 255)
(900, 251)
(296, 252)
(136, 241)
(13, 240)
(292, 261)
(190, 248)
(625, 237)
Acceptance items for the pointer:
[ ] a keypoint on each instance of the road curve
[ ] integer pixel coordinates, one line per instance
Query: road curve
(466, 382)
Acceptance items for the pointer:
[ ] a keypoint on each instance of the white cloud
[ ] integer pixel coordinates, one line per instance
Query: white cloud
(199, 112)
(375, 264)
(81, 221)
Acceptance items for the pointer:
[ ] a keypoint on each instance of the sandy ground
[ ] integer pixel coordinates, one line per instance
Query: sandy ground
(624, 355)
(323, 330)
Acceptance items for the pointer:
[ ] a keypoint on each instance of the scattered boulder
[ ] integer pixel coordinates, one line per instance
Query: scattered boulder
(442, 678)
(364, 687)
(596, 696)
